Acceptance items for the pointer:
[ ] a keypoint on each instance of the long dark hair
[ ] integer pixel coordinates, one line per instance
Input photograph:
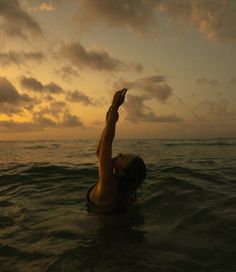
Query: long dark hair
(134, 176)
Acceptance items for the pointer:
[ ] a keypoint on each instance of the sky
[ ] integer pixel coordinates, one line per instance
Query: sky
(62, 60)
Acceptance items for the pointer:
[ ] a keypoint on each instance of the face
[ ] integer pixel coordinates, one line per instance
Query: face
(122, 160)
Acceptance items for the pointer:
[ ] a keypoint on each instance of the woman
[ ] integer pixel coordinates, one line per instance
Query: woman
(119, 177)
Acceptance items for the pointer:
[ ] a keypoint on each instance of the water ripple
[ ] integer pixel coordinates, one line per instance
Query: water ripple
(184, 221)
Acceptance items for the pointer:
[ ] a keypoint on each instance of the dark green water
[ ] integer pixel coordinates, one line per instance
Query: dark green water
(185, 219)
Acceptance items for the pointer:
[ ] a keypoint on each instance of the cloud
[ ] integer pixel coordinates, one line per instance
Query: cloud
(16, 21)
(44, 122)
(97, 123)
(218, 110)
(53, 88)
(12, 31)
(93, 59)
(135, 15)
(40, 124)
(11, 101)
(10, 126)
(67, 73)
(205, 81)
(20, 58)
(31, 84)
(56, 115)
(232, 81)
(215, 20)
(137, 111)
(44, 6)
(55, 109)
(79, 97)
(136, 66)
(70, 120)
(153, 86)
(35, 85)
(8, 93)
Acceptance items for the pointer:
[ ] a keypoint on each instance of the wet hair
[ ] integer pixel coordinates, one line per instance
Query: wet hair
(134, 176)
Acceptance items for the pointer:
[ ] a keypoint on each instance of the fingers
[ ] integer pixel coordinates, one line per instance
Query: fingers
(122, 92)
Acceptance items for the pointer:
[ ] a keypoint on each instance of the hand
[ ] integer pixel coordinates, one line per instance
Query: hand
(119, 98)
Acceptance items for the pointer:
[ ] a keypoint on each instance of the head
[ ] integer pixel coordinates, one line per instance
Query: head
(131, 171)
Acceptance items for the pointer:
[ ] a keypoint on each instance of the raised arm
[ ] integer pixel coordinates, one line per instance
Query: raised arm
(101, 137)
(104, 149)
(123, 92)
(99, 145)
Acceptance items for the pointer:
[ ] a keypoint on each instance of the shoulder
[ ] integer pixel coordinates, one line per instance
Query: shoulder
(104, 194)
(100, 204)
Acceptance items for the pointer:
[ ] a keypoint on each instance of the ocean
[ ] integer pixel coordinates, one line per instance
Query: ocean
(185, 218)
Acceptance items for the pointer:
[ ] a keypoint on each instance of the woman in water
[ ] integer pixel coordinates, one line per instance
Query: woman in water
(119, 177)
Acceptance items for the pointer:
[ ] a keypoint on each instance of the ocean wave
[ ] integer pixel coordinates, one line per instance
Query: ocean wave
(44, 169)
(10, 251)
(196, 143)
(42, 146)
(184, 219)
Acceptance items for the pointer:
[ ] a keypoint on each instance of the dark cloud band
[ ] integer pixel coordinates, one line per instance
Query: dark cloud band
(20, 58)
(18, 22)
(95, 60)
(30, 83)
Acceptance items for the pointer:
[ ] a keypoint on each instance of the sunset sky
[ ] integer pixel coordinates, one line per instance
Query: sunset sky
(61, 61)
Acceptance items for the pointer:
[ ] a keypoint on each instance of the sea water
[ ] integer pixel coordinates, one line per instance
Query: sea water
(185, 218)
